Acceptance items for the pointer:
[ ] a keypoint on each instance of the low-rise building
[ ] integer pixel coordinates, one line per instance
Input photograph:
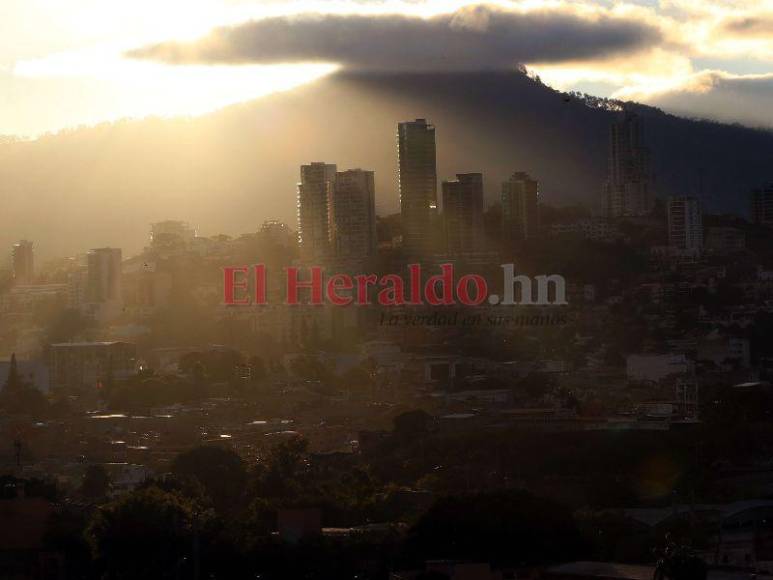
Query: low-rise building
(79, 366)
(725, 240)
(655, 367)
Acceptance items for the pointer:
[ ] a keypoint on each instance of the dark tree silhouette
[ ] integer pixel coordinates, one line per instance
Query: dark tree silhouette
(147, 533)
(19, 396)
(221, 472)
(504, 528)
(96, 482)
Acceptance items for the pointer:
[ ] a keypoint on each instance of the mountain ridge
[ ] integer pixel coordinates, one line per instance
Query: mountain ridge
(229, 170)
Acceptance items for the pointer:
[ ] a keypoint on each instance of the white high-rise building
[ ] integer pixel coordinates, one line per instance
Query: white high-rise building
(685, 225)
(315, 192)
(354, 213)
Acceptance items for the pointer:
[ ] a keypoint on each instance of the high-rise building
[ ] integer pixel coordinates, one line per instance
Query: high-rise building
(314, 206)
(628, 190)
(520, 207)
(685, 225)
(23, 262)
(463, 213)
(354, 213)
(418, 183)
(103, 277)
(762, 205)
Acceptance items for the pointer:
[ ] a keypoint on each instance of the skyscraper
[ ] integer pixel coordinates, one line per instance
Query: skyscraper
(23, 262)
(418, 183)
(103, 283)
(463, 213)
(628, 190)
(354, 213)
(520, 207)
(762, 205)
(314, 209)
(685, 225)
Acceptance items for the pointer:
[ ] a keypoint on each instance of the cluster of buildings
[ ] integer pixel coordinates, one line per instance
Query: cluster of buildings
(336, 212)
(466, 377)
(337, 217)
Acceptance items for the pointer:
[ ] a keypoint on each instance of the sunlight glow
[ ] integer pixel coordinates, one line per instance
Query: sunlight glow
(62, 65)
(153, 89)
(118, 87)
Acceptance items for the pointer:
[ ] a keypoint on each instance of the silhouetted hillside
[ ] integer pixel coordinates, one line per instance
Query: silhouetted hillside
(228, 171)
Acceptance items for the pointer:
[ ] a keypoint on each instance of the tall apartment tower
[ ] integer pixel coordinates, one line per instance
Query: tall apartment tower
(463, 213)
(685, 224)
(418, 183)
(762, 206)
(103, 277)
(628, 190)
(315, 192)
(520, 207)
(23, 257)
(354, 214)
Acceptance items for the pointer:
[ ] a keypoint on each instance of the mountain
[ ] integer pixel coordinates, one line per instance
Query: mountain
(229, 170)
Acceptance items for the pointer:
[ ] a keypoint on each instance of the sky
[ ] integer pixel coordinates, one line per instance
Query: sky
(83, 62)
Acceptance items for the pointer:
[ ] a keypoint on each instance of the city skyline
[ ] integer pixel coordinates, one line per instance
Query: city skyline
(338, 219)
(386, 290)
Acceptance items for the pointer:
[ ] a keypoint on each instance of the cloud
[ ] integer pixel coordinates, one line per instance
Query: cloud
(715, 95)
(472, 38)
(655, 69)
(757, 25)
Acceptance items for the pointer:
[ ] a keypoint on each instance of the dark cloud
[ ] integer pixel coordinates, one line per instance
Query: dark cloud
(760, 25)
(722, 97)
(475, 37)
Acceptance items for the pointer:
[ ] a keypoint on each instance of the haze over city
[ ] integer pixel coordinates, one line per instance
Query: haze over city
(386, 290)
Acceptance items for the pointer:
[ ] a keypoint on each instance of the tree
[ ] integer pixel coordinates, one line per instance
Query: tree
(284, 473)
(18, 397)
(14, 380)
(221, 472)
(678, 562)
(146, 533)
(96, 482)
(504, 528)
(411, 424)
